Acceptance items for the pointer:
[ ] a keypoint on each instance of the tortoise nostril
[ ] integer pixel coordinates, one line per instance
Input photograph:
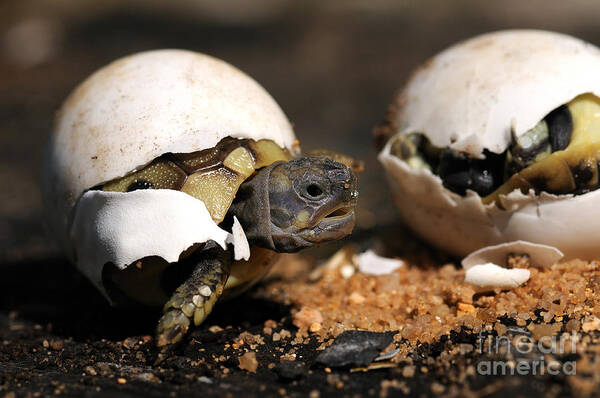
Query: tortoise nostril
(314, 191)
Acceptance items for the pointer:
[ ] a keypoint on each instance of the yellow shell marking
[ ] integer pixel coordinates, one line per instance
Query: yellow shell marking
(240, 161)
(162, 174)
(215, 188)
(268, 152)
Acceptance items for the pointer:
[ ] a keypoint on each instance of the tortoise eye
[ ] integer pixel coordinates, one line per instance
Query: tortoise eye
(139, 184)
(313, 191)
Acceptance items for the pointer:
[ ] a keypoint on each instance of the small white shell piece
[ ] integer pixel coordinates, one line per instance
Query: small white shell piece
(371, 263)
(469, 97)
(238, 239)
(489, 276)
(121, 118)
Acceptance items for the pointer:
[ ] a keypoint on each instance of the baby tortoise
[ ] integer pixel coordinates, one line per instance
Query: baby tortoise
(559, 155)
(283, 205)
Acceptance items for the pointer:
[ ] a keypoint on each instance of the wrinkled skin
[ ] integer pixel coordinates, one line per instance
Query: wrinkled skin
(285, 207)
(292, 205)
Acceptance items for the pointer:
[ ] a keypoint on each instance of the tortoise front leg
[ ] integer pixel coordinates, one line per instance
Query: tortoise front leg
(194, 299)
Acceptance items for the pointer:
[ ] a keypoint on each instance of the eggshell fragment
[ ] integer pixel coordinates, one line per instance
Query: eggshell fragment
(371, 263)
(238, 239)
(470, 97)
(490, 276)
(461, 225)
(539, 255)
(121, 228)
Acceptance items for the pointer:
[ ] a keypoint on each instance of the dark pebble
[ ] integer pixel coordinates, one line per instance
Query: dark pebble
(354, 348)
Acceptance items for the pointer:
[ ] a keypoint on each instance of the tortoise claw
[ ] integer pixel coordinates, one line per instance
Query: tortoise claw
(171, 328)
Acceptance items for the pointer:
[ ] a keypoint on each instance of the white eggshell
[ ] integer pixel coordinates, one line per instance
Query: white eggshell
(490, 276)
(540, 256)
(121, 228)
(469, 97)
(142, 106)
(238, 239)
(371, 263)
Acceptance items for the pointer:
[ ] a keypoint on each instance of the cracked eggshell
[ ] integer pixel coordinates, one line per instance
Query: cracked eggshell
(540, 256)
(121, 118)
(121, 228)
(469, 97)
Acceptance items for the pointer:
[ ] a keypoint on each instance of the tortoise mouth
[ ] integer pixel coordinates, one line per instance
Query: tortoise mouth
(340, 213)
(335, 225)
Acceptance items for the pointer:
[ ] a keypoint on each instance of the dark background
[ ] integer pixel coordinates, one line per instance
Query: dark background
(333, 66)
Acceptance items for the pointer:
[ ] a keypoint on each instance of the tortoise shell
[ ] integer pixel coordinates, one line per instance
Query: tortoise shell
(212, 175)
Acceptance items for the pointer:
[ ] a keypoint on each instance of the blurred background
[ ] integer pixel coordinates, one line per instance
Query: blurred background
(333, 66)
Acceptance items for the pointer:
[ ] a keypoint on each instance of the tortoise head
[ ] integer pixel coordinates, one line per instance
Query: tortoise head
(291, 205)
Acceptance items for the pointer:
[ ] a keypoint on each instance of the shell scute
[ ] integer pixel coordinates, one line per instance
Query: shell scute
(160, 174)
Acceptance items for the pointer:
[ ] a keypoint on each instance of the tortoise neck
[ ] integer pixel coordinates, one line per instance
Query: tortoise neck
(252, 209)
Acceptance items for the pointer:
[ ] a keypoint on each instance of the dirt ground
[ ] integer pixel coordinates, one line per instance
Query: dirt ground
(333, 67)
